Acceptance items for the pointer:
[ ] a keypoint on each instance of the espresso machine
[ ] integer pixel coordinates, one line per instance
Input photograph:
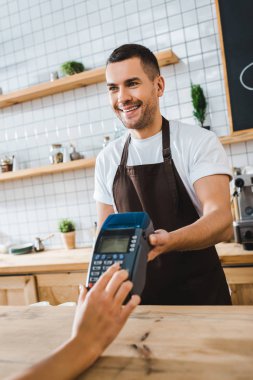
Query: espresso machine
(243, 226)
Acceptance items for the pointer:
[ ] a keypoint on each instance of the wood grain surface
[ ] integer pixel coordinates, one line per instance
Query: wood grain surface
(233, 254)
(56, 260)
(78, 259)
(157, 343)
(84, 163)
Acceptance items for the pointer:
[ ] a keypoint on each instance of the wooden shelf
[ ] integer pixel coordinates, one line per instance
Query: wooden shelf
(49, 169)
(86, 78)
(90, 162)
(237, 138)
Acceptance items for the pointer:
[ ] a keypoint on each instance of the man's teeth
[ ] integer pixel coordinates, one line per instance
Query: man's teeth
(130, 109)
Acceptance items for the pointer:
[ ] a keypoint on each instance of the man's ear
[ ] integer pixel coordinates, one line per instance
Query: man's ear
(160, 85)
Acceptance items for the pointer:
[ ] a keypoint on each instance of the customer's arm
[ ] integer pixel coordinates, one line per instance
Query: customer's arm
(98, 319)
(213, 227)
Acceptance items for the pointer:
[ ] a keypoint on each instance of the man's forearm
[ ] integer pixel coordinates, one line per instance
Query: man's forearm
(212, 228)
(206, 231)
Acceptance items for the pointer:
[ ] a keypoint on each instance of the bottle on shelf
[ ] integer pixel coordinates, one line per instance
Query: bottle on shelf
(14, 163)
(54, 75)
(106, 141)
(66, 155)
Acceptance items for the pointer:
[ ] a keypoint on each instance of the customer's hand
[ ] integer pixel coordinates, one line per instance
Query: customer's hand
(100, 314)
(98, 319)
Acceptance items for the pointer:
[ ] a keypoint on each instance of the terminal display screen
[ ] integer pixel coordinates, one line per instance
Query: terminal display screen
(113, 244)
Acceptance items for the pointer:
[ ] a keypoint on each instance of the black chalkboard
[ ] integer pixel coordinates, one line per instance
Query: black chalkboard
(236, 24)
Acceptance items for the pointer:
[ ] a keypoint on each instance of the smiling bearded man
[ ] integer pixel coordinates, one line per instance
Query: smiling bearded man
(177, 173)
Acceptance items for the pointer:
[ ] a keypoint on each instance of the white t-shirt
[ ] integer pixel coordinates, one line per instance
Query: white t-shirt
(196, 153)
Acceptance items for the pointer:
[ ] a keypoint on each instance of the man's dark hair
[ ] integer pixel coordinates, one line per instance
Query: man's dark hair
(147, 58)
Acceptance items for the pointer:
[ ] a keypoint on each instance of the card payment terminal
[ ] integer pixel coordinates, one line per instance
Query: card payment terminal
(123, 238)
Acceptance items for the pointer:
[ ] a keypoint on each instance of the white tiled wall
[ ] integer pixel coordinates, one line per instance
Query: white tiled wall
(36, 37)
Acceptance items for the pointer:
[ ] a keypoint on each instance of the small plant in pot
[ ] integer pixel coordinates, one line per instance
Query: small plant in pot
(72, 67)
(67, 229)
(199, 104)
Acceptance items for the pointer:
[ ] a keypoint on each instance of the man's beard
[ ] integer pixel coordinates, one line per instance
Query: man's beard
(146, 118)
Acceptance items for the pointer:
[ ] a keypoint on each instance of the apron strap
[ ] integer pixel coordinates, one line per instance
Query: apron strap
(124, 156)
(168, 162)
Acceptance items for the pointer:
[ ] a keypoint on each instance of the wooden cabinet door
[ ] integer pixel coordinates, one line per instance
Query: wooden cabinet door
(57, 288)
(17, 290)
(240, 281)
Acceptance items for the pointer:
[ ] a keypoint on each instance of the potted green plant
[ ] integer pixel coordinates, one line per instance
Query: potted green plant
(72, 67)
(67, 229)
(199, 104)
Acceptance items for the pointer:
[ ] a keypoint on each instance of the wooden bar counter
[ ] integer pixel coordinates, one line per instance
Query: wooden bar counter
(55, 261)
(54, 275)
(238, 267)
(59, 260)
(157, 343)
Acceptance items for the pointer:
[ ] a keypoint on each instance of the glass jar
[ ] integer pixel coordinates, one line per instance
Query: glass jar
(6, 164)
(56, 154)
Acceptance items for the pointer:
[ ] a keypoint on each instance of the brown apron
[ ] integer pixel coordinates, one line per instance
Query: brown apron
(173, 278)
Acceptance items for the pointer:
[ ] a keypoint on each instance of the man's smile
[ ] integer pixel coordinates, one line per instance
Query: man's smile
(128, 110)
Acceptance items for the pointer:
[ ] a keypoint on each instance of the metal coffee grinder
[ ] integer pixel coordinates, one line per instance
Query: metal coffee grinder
(243, 227)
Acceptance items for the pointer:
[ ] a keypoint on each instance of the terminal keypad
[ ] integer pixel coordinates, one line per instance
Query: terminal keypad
(101, 262)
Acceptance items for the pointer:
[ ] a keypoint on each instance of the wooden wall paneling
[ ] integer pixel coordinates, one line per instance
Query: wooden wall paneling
(59, 287)
(18, 290)
(240, 281)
